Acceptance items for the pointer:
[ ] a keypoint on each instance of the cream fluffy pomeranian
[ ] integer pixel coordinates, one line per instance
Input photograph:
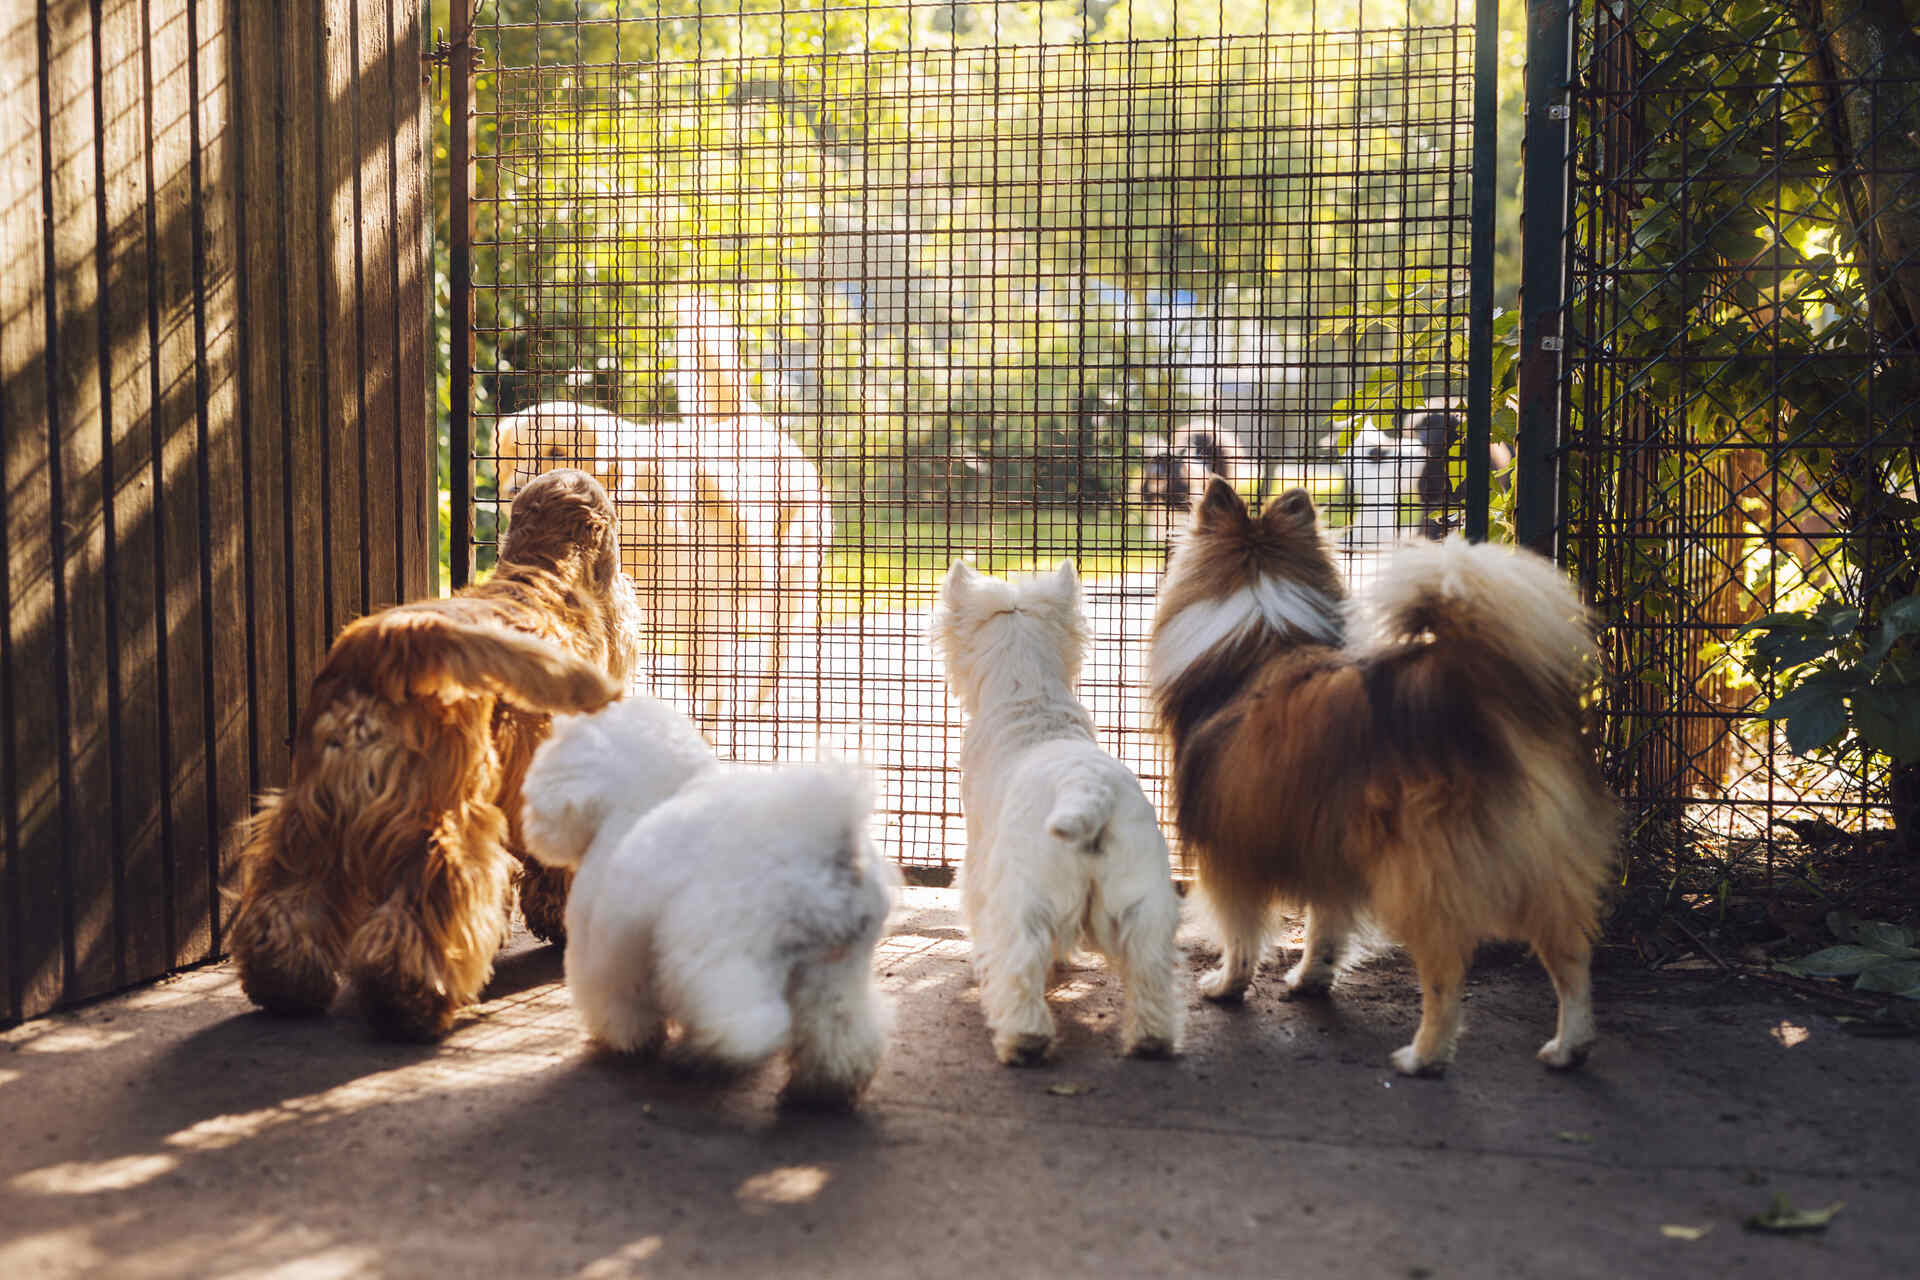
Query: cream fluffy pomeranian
(1062, 846)
(742, 904)
(1419, 758)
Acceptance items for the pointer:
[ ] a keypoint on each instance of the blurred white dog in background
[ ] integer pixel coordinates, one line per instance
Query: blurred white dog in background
(742, 904)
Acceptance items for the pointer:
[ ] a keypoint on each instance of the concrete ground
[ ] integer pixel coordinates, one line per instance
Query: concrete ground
(174, 1132)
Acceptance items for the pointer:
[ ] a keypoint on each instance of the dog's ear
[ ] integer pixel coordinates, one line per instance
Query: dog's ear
(961, 580)
(1291, 510)
(1219, 506)
(1066, 581)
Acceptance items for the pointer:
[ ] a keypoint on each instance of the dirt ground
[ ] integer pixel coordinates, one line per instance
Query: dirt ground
(174, 1132)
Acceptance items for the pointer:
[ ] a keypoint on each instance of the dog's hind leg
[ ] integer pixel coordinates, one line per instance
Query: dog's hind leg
(734, 1011)
(287, 935)
(1568, 957)
(1148, 963)
(1013, 993)
(1442, 965)
(1325, 946)
(839, 1032)
(427, 951)
(543, 899)
(617, 1005)
(1242, 919)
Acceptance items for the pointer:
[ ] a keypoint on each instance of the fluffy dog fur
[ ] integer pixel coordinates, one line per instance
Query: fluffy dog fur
(724, 523)
(1062, 846)
(742, 904)
(390, 854)
(1431, 769)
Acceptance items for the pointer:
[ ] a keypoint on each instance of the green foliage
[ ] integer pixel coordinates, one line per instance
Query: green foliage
(1879, 957)
(1851, 689)
(938, 227)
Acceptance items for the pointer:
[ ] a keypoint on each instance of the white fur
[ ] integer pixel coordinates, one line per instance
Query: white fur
(744, 906)
(1197, 630)
(1382, 490)
(1063, 848)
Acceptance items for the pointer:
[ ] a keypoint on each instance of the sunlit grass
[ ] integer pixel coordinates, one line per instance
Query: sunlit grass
(894, 559)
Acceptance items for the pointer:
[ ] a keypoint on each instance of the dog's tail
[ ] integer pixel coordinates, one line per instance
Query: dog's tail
(1082, 808)
(709, 375)
(423, 650)
(1505, 624)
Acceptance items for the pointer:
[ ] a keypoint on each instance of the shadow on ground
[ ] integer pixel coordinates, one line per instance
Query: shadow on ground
(173, 1131)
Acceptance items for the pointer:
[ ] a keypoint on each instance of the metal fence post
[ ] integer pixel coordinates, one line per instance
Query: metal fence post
(460, 299)
(1486, 62)
(1543, 216)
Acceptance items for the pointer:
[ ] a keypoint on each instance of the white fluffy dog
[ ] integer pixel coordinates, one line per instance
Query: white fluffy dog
(743, 904)
(1062, 846)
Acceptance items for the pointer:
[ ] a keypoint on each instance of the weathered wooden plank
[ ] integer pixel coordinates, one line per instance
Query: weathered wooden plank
(372, 92)
(261, 236)
(128, 318)
(31, 959)
(79, 421)
(225, 535)
(309, 503)
(342, 419)
(182, 658)
(413, 286)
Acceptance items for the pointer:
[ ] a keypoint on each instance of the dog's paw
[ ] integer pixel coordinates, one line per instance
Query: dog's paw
(1224, 984)
(1306, 979)
(1028, 1049)
(821, 1095)
(1409, 1063)
(1152, 1047)
(1564, 1056)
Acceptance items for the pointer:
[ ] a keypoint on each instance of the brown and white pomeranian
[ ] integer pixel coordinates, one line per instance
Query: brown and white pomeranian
(1415, 757)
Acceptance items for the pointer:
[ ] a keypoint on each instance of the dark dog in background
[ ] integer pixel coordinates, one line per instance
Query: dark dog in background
(1442, 503)
(1178, 466)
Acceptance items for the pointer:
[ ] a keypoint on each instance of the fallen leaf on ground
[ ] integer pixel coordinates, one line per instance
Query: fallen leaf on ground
(1781, 1216)
(1068, 1089)
(1676, 1231)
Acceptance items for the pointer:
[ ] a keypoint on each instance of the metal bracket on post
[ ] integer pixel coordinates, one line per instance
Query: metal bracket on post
(1543, 271)
(460, 299)
(1479, 434)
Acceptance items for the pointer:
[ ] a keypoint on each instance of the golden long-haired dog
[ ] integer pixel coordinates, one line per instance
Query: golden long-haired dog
(1429, 770)
(724, 521)
(390, 855)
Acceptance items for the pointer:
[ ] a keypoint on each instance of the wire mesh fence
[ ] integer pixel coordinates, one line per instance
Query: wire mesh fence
(827, 296)
(1742, 392)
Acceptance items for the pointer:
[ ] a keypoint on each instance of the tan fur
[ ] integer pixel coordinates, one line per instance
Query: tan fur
(724, 520)
(390, 855)
(1433, 775)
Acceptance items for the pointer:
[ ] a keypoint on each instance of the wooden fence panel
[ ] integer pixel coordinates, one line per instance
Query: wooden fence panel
(218, 450)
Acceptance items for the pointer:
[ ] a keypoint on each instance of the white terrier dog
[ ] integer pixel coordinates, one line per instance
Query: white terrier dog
(1063, 848)
(743, 904)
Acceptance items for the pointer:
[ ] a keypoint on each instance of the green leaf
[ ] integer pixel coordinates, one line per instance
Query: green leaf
(1902, 617)
(1889, 720)
(1781, 1216)
(1815, 716)
(1889, 939)
(1893, 977)
(1836, 962)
